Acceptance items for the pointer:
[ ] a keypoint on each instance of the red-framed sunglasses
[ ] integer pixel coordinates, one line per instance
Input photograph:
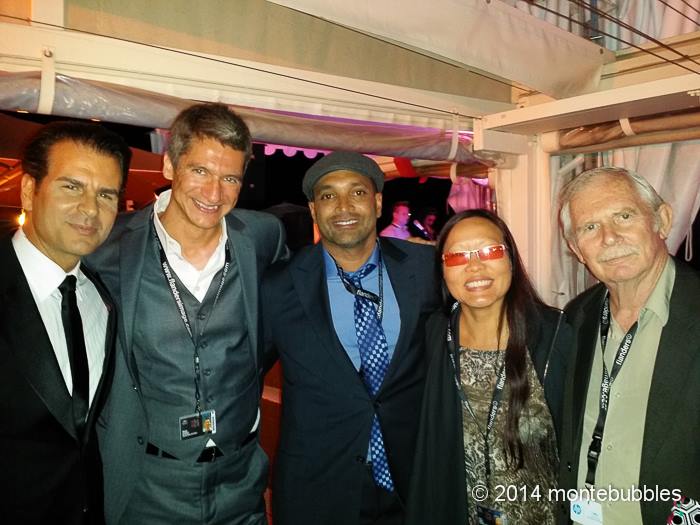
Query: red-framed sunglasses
(487, 253)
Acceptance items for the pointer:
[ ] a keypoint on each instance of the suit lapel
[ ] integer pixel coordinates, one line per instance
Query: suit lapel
(588, 333)
(244, 253)
(673, 363)
(133, 250)
(106, 377)
(403, 275)
(308, 274)
(29, 342)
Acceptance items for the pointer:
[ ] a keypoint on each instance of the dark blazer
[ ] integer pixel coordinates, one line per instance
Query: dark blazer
(670, 451)
(257, 240)
(438, 487)
(326, 409)
(49, 474)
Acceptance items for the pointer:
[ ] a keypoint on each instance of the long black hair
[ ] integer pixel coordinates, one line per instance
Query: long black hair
(520, 304)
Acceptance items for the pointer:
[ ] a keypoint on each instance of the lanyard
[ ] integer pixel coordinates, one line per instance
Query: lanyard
(365, 294)
(453, 352)
(605, 385)
(172, 285)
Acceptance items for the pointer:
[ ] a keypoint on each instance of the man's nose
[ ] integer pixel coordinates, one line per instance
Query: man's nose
(211, 190)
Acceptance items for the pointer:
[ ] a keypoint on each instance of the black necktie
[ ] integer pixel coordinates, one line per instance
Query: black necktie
(75, 341)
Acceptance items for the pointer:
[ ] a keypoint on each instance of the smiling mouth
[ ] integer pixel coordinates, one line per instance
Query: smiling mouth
(478, 284)
(346, 222)
(206, 208)
(84, 230)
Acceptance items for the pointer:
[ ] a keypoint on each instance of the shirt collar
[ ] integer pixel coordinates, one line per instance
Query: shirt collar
(332, 271)
(170, 245)
(43, 275)
(659, 302)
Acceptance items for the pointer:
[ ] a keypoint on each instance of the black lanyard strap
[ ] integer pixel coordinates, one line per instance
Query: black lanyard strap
(175, 292)
(453, 352)
(606, 384)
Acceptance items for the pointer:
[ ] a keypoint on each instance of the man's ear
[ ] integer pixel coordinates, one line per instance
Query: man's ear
(576, 251)
(168, 168)
(27, 190)
(312, 209)
(378, 204)
(664, 217)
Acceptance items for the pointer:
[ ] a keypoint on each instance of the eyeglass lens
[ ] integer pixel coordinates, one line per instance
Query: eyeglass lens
(487, 253)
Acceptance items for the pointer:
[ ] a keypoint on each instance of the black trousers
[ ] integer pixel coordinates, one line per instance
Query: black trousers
(378, 506)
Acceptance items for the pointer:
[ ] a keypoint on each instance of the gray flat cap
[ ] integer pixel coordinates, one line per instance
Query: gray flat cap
(342, 160)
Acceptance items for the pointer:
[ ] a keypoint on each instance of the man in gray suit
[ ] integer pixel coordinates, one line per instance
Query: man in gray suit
(179, 432)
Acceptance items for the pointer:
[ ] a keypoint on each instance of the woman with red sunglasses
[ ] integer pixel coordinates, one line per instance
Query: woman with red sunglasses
(487, 442)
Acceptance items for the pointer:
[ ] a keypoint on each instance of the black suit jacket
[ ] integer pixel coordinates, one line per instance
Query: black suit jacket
(49, 474)
(326, 410)
(670, 451)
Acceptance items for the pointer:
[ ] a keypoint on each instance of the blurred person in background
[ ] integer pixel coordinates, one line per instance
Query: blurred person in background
(400, 215)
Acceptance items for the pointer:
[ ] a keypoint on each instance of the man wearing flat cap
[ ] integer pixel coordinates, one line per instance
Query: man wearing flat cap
(346, 317)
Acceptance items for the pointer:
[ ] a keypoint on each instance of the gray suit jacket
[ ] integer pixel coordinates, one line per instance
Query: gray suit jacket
(670, 453)
(258, 240)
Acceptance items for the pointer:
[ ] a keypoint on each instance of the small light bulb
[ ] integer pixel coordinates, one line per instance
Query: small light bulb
(20, 218)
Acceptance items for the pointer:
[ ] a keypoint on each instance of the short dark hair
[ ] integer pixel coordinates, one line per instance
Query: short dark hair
(208, 121)
(35, 154)
(520, 305)
(399, 204)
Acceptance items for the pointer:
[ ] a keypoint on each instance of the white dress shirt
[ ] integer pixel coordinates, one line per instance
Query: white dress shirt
(196, 281)
(44, 277)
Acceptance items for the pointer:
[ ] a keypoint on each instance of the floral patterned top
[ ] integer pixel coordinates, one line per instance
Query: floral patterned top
(522, 495)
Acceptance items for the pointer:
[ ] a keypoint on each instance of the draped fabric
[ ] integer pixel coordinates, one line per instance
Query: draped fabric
(673, 169)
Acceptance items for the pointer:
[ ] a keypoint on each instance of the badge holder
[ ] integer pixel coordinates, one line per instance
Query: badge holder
(586, 512)
(487, 516)
(194, 425)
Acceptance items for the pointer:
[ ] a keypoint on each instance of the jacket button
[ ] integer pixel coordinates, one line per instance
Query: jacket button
(359, 459)
(568, 467)
(139, 440)
(377, 405)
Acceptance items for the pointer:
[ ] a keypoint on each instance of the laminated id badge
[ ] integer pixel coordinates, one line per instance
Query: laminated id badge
(586, 512)
(487, 516)
(199, 424)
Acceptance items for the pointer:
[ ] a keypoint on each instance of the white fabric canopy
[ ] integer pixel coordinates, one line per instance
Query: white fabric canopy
(491, 36)
(673, 169)
(115, 103)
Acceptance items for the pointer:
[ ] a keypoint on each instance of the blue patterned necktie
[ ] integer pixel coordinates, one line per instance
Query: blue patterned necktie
(374, 358)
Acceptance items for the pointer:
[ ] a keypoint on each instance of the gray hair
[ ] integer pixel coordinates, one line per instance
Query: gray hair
(644, 190)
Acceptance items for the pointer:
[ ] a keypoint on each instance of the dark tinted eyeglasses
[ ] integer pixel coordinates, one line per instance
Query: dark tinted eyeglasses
(487, 253)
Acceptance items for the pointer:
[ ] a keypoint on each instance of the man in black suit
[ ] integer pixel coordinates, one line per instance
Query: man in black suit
(631, 416)
(57, 326)
(350, 400)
